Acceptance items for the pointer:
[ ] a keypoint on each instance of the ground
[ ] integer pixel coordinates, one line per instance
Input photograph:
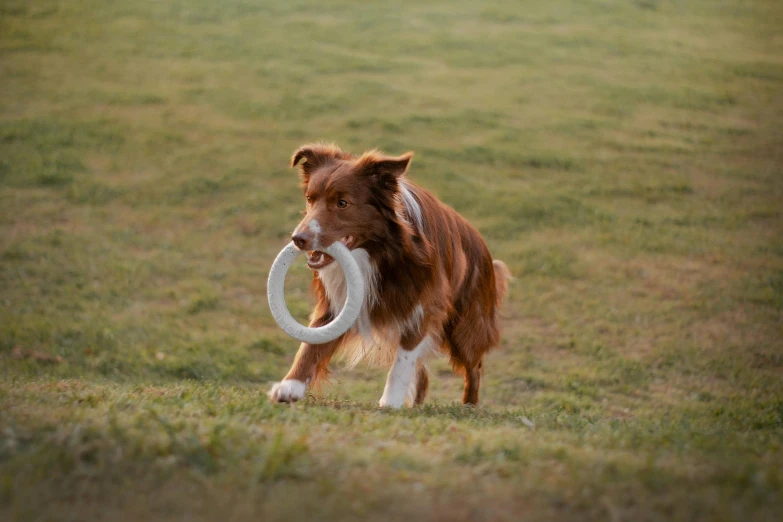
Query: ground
(622, 157)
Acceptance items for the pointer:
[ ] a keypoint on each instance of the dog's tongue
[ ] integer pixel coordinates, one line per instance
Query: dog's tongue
(318, 260)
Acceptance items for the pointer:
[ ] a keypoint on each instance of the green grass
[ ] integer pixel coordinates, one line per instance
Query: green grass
(623, 158)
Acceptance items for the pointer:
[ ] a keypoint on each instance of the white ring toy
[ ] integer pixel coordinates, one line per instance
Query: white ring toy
(347, 316)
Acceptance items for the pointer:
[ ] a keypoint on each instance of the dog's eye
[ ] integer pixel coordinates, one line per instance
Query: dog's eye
(309, 199)
(341, 203)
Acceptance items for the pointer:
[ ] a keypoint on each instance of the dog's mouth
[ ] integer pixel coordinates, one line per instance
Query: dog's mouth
(317, 260)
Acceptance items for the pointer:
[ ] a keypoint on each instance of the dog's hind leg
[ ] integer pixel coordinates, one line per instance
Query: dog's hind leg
(470, 395)
(468, 341)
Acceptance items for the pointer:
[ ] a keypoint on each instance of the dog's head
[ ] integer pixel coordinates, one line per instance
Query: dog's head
(352, 200)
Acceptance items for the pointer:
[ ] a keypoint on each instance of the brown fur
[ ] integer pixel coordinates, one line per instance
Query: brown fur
(422, 383)
(442, 264)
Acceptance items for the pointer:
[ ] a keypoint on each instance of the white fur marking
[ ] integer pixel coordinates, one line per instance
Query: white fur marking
(413, 322)
(315, 228)
(333, 279)
(412, 207)
(290, 390)
(376, 347)
(400, 377)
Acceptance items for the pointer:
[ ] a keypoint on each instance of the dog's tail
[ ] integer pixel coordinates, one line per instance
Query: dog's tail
(502, 278)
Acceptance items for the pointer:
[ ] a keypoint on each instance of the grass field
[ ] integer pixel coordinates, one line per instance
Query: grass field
(624, 158)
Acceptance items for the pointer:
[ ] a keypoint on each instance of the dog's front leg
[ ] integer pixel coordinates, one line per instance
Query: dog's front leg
(311, 362)
(398, 381)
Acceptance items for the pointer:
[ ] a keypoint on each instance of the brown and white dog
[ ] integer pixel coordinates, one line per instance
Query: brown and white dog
(431, 284)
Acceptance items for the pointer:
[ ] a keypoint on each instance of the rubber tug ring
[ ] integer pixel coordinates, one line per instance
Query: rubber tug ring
(347, 316)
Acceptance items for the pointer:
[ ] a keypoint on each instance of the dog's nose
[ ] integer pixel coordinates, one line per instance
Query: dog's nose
(300, 241)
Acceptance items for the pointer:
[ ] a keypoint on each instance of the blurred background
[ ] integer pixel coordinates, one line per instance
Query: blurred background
(622, 157)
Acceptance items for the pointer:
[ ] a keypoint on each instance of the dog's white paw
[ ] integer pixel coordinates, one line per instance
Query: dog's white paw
(290, 390)
(388, 401)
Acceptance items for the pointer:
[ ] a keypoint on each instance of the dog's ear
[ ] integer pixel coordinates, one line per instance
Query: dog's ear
(316, 154)
(395, 166)
(385, 170)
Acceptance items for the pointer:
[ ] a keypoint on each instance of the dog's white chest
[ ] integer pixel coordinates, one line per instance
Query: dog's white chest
(371, 345)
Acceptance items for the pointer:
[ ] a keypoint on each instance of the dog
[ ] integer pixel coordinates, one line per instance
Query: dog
(431, 284)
